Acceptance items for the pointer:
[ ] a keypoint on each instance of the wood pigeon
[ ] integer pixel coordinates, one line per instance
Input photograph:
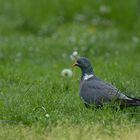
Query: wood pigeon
(95, 92)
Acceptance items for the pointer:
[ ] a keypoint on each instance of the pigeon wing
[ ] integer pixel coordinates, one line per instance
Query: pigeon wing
(96, 92)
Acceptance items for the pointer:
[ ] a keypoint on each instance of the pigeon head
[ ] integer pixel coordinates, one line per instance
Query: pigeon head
(85, 66)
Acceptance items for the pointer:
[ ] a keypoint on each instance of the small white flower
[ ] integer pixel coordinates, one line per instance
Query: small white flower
(135, 39)
(74, 55)
(47, 115)
(72, 39)
(66, 73)
(18, 57)
(104, 9)
(80, 17)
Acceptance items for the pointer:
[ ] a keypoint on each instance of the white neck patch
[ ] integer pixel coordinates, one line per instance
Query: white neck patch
(86, 77)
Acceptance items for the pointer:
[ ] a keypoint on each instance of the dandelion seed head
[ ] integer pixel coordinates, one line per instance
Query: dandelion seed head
(47, 115)
(135, 39)
(104, 9)
(66, 73)
(74, 55)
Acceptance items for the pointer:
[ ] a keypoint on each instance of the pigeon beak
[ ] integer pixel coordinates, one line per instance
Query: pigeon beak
(76, 64)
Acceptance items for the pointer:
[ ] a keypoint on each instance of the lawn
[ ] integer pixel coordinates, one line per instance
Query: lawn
(36, 41)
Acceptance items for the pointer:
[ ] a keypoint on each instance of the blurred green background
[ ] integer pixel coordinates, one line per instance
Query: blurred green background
(37, 38)
(46, 16)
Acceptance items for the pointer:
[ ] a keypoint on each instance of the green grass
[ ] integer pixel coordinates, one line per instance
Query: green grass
(35, 46)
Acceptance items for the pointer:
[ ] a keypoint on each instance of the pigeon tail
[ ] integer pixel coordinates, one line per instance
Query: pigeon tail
(131, 102)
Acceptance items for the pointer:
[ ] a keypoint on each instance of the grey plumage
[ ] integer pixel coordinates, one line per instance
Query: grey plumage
(96, 92)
